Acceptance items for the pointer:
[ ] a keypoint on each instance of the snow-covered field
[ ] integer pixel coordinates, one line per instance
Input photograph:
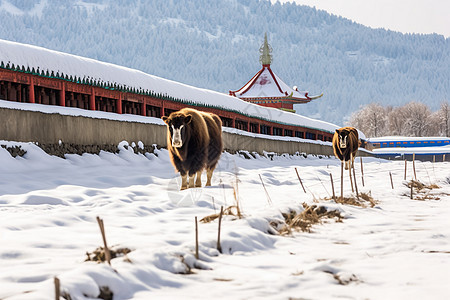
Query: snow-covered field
(398, 249)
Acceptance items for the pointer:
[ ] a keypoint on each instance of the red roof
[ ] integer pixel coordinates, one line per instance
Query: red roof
(267, 85)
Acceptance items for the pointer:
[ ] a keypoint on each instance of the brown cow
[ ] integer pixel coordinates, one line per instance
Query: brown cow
(345, 145)
(194, 141)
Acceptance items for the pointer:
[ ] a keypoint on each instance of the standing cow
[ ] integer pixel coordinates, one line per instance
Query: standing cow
(345, 145)
(194, 141)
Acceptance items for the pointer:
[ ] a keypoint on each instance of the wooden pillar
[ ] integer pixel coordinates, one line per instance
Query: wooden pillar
(62, 95)
(19, 93)
(8, 91)
(162, 108)
(92, 100)
(143, 110)
(119, 104)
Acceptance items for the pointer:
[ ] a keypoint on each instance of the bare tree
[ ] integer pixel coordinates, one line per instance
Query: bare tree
(416, 118)
(411, 119)
(370, 119)
(396, 119)
(435, 125)
(444, 119)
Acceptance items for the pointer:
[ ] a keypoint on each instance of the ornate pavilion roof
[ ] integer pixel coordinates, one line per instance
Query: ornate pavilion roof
(267, 85)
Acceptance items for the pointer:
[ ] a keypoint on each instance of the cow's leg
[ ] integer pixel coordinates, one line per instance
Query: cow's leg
(198, 181)
(184, 182)
(209, 173)
(191, 180)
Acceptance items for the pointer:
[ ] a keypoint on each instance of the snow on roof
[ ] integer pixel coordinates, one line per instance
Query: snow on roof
(267, 84)
(34, 57)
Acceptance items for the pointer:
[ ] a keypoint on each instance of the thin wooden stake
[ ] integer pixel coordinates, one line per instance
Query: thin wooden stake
(342, 179)
(332, 187)
(443, 157)
(434, 159)
(102, 230)
(219, 247)
(350, 176)
(411, 188)
(414, 166)
(405, 169)
(362, 170)
(196, 238)
(392, 183)
(299, 179)
(267, 194)
(57, 289)
(354, 178)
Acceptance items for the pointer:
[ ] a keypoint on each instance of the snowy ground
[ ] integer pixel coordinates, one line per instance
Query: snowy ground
(399, 249)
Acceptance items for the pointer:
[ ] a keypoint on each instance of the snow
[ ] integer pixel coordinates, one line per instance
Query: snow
(36, 10)
(90, 7)
(10, 8)
(398, 249)
(34, 57)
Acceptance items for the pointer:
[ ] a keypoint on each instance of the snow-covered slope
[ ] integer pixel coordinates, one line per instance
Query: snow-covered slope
(397, 249)
(34, 57)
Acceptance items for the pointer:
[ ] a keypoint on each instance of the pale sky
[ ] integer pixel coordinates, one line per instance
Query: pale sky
(407, 16)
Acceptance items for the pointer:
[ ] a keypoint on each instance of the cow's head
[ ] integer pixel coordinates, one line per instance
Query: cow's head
(177, 124)
(343, 138)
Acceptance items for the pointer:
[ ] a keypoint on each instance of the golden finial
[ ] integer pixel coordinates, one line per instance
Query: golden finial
(265, 58)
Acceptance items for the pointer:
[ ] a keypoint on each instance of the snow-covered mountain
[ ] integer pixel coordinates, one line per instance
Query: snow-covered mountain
(214, 45)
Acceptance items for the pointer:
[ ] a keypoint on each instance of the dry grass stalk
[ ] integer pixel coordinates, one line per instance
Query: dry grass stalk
(406, 162)
(423, 191)
(392, 182)
(219, 247)
(196, 238)
(229, 211)
(309, 216)
(267, 194)
(344, 281)
(354, 178)
(364, 200)
(362, 170)
(99, 255)
(332, 187)
(236, 194)
(420, 186)
(299, 179)
(105, 293)
(222, 279)
(102, 230)
(57, 288)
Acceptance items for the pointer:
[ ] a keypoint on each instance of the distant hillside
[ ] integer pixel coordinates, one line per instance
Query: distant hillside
(214, 44)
